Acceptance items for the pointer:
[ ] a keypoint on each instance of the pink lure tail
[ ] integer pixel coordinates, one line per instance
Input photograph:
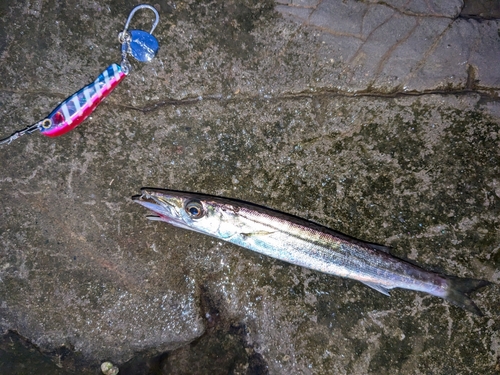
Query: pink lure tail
(74, 110)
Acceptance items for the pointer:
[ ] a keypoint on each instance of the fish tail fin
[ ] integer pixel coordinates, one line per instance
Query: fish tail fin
(459, 288)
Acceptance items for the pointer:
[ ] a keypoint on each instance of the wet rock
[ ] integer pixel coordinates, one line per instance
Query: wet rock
(481, 9)
(394, 46)
(19, 356)
(253, 101)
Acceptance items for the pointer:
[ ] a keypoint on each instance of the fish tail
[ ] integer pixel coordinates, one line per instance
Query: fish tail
(459, 288)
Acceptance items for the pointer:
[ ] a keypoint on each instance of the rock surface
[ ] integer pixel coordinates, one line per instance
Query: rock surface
(378, 119)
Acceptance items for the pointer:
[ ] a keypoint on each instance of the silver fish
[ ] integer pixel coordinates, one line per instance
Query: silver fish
(301, 242)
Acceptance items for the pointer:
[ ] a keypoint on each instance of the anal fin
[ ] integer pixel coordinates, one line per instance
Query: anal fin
(377, 287)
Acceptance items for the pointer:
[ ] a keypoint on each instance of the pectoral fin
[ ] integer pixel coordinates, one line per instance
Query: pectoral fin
(378, 288)
(154, 218)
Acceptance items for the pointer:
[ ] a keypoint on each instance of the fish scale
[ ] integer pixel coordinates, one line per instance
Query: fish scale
(303, 243)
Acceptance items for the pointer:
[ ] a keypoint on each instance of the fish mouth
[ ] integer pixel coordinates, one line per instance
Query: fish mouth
(166, 207)
(158, 202)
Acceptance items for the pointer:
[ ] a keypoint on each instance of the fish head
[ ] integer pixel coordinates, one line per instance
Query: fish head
(197, 212)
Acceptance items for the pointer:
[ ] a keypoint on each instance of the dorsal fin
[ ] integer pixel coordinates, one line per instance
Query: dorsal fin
(385, 249)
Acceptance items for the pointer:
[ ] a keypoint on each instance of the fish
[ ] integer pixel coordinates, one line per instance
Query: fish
(304, 243)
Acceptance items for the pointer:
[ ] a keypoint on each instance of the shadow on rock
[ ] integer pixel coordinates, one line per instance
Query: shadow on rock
(224, 348)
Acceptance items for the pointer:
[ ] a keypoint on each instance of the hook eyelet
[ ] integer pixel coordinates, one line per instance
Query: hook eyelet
(46, 123)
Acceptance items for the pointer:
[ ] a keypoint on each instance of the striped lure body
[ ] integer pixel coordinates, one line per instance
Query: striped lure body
(74, 110)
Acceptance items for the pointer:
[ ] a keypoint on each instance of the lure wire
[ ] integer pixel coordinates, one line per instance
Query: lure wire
(19, 133)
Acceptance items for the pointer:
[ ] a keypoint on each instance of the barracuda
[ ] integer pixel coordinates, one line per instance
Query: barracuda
(303, 243)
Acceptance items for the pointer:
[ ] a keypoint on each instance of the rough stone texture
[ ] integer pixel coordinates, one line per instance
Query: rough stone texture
(378, 119)
(391, 47)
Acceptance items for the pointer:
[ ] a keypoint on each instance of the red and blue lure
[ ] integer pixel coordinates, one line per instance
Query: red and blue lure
(139, 44)
(74, 110)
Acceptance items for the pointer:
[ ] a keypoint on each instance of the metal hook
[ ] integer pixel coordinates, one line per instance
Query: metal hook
(135, 10)
(137, 43)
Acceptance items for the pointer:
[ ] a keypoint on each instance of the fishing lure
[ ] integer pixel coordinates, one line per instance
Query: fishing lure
(139, 44)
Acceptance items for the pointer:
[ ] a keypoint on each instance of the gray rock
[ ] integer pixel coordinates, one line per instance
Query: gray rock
(389, 48)
(380, 120)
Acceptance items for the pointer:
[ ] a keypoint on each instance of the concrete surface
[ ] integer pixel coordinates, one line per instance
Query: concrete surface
(378, 119)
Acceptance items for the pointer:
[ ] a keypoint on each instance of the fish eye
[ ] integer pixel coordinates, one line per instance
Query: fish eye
(194, 209)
